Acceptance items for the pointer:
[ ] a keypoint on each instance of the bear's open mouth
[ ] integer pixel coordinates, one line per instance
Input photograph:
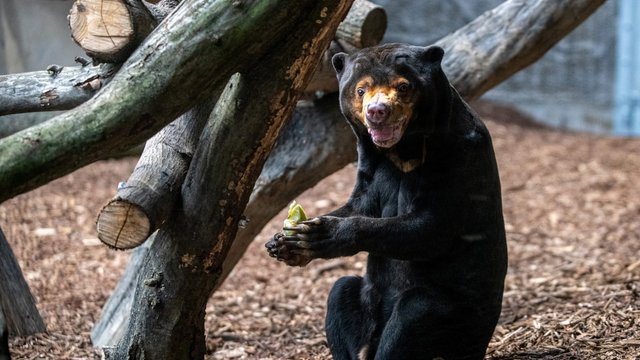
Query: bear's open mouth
(385, 136)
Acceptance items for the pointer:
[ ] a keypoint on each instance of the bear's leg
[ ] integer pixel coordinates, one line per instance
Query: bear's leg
(424, 325)
(344, 321)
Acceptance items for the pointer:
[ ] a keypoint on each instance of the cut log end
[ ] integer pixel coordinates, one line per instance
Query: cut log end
(122, 225)
(109, 30)
(374, 27)
(101, 26)
(364, 25)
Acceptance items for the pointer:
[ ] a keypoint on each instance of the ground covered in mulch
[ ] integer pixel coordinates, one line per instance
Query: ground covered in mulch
(572, 211)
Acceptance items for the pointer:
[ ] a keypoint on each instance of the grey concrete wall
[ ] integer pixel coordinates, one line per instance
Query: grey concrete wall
(35, 34)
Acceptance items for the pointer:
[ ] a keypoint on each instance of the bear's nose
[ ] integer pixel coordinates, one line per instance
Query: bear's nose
(377, 113)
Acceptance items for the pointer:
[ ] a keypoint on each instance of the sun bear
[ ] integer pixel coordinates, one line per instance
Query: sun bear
(426, 207)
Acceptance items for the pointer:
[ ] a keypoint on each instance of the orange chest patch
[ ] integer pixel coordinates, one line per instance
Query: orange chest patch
(407, 165)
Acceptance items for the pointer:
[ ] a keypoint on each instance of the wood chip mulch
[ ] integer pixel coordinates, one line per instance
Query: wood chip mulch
(572, 211)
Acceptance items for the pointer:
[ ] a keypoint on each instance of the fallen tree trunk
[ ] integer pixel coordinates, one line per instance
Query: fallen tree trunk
(330, 144)
(184, 262)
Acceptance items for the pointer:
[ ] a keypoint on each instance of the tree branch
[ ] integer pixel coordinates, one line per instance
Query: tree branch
(146, 200)
(50, 90)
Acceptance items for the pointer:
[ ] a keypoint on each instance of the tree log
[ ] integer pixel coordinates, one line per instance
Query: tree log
(50, 90)
(185, 260)
(109, 30)
(203, 42)
(364, 25)
(147, 198)
(20, 312)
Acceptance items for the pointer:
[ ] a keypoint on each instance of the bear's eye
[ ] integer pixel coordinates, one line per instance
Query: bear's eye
(403, 88)
(360, 92)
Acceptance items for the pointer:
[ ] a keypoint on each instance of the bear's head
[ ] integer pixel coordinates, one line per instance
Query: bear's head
(393, 91)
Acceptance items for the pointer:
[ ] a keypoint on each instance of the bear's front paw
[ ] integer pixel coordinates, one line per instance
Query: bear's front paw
(321, 237)
(277, 248)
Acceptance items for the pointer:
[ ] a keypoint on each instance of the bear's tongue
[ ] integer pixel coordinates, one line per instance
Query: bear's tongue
(381, 134)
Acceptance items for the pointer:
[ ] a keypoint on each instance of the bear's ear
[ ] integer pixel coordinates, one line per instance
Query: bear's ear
(432, 54)
(338, 61)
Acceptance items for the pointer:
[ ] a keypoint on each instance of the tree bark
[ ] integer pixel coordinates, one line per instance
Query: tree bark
(155, 85)
(114, 319)
(20, 311)
(185, 260)
(329, 142)
(109, 30)
(50, 90)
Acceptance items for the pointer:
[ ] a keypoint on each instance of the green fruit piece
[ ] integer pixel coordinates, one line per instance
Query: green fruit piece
(295, 215)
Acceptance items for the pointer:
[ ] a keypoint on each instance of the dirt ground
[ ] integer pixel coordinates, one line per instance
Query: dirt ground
(572, 211)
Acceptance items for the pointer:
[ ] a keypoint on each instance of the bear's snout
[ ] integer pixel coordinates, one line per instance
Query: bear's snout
(377, 113)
